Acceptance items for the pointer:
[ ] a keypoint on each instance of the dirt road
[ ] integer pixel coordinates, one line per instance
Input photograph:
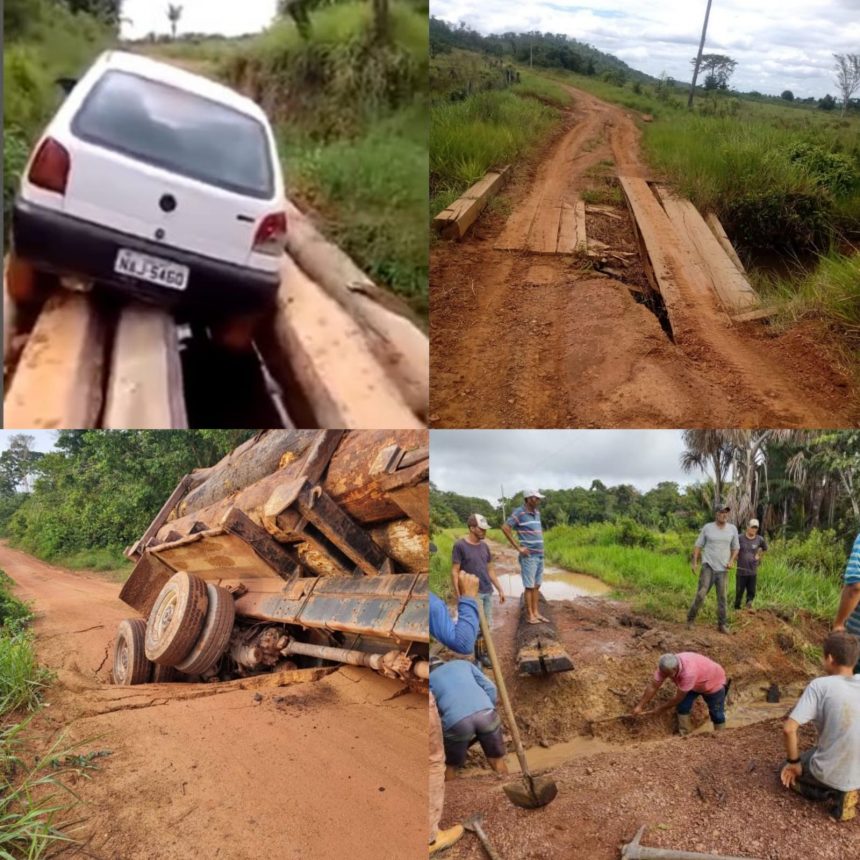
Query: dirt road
(334, 768)
(523, 339)
(704, 793)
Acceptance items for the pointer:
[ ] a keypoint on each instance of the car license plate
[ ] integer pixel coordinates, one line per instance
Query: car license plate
(152, 269)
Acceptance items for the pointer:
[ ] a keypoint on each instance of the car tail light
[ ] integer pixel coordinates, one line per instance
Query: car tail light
(271, 234)
(50, 167)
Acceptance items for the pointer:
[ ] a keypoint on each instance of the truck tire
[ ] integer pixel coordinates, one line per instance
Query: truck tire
(130, 665)
(176, 619)
(215, 636)
(163, 674)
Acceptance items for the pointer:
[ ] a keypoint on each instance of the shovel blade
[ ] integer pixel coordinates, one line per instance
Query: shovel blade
(531, 793)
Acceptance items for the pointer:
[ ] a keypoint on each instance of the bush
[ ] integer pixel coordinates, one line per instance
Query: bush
(834, 171)
(631, 533)
(819, 552)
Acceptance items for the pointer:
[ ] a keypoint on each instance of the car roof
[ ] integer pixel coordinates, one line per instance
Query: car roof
(166, 73)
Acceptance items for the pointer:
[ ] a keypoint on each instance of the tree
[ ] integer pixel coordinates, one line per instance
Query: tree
(18, 463)
(847, 76)
(788, 95)
(174, 13)
(718, 68)
(708, 450)
(827, 103)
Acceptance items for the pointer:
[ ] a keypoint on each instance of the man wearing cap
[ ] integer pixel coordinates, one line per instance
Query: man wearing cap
(718, 546)
(525, 520)
(848, 613)
(472, 555)
(752, 546)
(694, 675)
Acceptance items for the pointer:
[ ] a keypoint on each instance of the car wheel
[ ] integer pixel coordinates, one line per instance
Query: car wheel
(130, 665)
(163, 674)
(215, 636)
(176, 619)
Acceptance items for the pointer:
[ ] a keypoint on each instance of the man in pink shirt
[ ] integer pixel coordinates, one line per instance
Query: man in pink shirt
(693, 675)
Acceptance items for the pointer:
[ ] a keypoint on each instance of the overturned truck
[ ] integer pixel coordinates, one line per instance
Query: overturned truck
(298, 549)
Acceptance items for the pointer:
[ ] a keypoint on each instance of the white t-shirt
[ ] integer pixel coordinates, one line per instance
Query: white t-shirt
(833, 704)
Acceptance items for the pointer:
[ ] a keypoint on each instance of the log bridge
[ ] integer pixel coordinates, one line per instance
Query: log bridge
(539, 649)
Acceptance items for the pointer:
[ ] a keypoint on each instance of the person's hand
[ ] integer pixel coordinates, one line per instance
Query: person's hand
(790, 773)
(501, 597)
(730, 565)
(468, 585)
(522, 550)
(694, 567)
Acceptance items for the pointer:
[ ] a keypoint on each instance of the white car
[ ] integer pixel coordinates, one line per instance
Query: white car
(158, 183)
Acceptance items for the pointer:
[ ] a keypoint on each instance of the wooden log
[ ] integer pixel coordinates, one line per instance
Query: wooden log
(145, 388)
(722, 237)
(385, 321)
(58, 380)
(581, 235)
(731, 286)
(567, 235)
(353, 479)
(755, 315)
(312, 341)
(455, 221)
(539, 649)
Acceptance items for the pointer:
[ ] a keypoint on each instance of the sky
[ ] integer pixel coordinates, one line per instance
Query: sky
(43, 439)
(477, 462)
(779, 44)
(230, 17)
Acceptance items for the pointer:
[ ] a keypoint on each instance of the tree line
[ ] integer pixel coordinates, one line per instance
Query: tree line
(97, 489)
(792, 481)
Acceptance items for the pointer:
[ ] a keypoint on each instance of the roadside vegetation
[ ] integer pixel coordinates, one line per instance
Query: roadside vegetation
(801, 485)
(33, 799)
(82, 504)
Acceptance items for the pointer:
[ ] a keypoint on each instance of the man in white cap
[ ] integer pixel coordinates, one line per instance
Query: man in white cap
(525, 521)
(752, 547)
(472, 555)
(717, 544)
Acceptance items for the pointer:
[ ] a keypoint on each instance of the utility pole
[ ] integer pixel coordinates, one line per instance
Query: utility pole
(699, 56)
(504, 514)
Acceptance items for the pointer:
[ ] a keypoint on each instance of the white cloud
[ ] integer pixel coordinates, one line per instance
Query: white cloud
(227, 17)
(796, 38)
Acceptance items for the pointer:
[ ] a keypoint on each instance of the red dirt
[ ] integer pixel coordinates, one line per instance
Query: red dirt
(338, 767)
(525, 340)
(616, 775)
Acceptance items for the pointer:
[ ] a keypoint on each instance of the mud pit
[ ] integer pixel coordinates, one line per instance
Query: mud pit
(524, 339)
(707, 792)
(293, 771)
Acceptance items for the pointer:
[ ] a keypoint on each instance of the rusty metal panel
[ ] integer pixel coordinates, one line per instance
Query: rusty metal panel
(414, 625)
(366, 605)
(142, 588)
(225, 554)
(281, 606)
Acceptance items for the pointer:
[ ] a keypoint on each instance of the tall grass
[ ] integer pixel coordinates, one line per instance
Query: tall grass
(485, 130)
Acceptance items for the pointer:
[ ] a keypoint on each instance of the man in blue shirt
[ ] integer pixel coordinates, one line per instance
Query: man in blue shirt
(848, 614)
(459, 637)
(525, 521)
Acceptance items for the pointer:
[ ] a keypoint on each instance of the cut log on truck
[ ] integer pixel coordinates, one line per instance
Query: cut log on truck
(398, 344)
(539, 649)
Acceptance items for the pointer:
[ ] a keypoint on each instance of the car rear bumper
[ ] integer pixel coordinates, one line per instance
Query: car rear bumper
(59, 243)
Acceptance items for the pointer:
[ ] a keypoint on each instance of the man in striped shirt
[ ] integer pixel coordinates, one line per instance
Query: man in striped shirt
(525, 521)
(848, 614)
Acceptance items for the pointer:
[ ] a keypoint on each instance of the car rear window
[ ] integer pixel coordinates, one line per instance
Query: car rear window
(178, 130)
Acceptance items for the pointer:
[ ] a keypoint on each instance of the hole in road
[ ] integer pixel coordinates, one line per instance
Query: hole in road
(654, 302)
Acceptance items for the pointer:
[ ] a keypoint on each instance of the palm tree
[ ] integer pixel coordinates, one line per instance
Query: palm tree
(711, 452)
(174, 13)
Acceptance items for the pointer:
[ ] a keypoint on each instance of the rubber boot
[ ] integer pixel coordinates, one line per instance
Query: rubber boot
(446, 838)
(685, 724)
(845, 808)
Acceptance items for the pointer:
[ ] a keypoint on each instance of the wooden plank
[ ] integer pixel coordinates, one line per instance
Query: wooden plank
(160, 518)
(539, 649)
(732, 288)
(516, 230)
(145, 384)
(581, 235)
(717, 229)
(755, 315)
(543, 235)
(312, 342)
(58, 380)
(282, 559)
(387, 323)
(454, 222)
(319, 455)
(567, 235)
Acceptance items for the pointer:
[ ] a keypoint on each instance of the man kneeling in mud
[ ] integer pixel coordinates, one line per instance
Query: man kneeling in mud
(466, 700)
(831, 770)
(694, 675)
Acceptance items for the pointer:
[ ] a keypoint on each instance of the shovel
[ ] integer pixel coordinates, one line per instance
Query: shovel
(535, 791)
(476, 825)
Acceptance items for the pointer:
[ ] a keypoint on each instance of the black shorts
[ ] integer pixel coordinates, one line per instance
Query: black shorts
(482, 726)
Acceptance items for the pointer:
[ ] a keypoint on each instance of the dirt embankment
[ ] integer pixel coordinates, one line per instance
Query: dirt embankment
(521, 339)
(332, 768)
(711, 793)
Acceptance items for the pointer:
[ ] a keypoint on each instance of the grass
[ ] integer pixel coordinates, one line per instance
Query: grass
(108, 560)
